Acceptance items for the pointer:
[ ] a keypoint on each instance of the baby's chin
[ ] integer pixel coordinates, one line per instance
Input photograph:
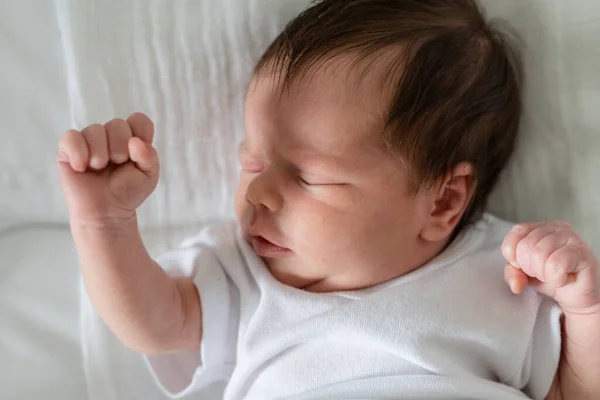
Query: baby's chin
(286, 271)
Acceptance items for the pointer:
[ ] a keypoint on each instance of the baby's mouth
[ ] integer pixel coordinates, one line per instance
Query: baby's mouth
(268, 249)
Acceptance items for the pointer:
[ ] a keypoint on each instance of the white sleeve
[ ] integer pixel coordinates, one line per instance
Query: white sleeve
(179, 374)
(541, 362)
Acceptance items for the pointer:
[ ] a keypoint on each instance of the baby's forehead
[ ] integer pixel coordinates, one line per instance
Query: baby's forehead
(341, 92)
(337, 96)
(349, 77)
(340, 82)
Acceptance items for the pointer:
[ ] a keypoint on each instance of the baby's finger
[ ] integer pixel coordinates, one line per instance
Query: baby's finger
(141, 127)
(563, 264)
(515, 278)
(518, 282)
(119, 133)
(512, 239)
(95, 136)
(144, 156)
(528, 245)
(533, 259)
(73, 150)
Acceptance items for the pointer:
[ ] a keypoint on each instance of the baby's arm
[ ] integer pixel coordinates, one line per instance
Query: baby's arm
(106, 172)
(554, 260)
(578, 374)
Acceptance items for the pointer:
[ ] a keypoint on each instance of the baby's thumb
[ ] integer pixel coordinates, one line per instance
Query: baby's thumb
(519, 281)
(515, 278)
(133, 182)
(144, 156)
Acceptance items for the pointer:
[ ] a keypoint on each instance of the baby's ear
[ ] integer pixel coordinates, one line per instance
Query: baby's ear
(451, 201)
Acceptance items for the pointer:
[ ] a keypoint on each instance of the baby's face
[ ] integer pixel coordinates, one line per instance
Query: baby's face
(319, 198)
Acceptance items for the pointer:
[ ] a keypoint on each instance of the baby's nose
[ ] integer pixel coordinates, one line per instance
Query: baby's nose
(265, 190)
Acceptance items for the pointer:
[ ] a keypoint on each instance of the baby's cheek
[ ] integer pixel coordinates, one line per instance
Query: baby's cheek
(323, 225)
(239, 199)
(338, 198)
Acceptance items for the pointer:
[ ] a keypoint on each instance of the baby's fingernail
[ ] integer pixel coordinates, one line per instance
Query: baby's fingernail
(120, 158)
(96, 163)
(513, 286)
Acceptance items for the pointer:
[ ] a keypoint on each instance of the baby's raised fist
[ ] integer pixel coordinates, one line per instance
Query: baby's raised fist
(107, 171)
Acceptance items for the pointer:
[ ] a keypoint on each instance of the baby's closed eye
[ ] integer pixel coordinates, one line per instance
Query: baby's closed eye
(316, 180)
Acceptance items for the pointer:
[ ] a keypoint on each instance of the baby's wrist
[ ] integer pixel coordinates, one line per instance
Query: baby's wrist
(592, 311)
(107, 224)
(102, 244)
(105, 232)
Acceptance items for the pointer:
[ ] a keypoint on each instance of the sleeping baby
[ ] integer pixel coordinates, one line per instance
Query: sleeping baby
(361, 264)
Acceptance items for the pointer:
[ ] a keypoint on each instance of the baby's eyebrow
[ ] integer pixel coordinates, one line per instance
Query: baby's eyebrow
(323, 162)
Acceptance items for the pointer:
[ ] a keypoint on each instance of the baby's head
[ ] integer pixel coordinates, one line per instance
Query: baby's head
(375, 131)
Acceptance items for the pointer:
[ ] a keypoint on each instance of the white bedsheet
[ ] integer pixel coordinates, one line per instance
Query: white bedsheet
(34, 111)
(40, 350)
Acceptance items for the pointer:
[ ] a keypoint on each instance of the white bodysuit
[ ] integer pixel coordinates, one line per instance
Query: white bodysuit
(451, 329)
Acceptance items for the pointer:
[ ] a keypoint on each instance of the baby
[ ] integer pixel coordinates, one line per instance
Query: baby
(361, 264)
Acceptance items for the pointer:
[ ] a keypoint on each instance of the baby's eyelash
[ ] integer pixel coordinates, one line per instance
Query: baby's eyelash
(305, 182)
(313, 182)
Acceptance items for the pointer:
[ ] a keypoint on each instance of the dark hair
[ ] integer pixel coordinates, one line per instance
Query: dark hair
(455, 80)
